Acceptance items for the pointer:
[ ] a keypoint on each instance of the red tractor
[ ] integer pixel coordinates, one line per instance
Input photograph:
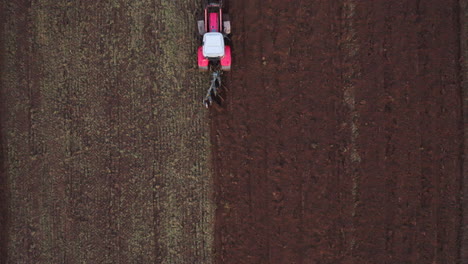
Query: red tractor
(214, 54)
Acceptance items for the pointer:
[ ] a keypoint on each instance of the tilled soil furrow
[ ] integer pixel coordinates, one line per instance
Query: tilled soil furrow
(339, 141)
(409, 114)
(280, 187)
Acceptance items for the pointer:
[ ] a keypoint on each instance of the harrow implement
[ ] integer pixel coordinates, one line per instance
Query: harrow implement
(213, 92)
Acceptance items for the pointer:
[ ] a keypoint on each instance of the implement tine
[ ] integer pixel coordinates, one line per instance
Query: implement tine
(213, 91)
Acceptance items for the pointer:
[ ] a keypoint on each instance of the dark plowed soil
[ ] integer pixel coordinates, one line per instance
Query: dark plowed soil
(340, 137)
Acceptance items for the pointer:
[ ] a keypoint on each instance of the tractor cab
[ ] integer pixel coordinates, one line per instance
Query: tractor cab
(213, 45)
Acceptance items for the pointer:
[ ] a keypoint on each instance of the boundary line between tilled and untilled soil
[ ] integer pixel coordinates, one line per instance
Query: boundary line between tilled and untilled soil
(463, 7)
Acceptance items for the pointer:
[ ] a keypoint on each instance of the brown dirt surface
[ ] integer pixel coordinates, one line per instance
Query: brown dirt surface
(3, 175)
(341, 135)
(340, 139)
(105, 144)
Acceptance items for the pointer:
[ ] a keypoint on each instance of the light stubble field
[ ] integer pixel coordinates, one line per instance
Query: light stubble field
(105, 145)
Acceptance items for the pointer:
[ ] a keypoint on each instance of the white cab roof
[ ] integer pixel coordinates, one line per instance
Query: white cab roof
(213, 45)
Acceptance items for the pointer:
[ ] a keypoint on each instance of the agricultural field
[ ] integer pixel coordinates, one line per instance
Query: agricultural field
(105, 145)
(340, 137)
